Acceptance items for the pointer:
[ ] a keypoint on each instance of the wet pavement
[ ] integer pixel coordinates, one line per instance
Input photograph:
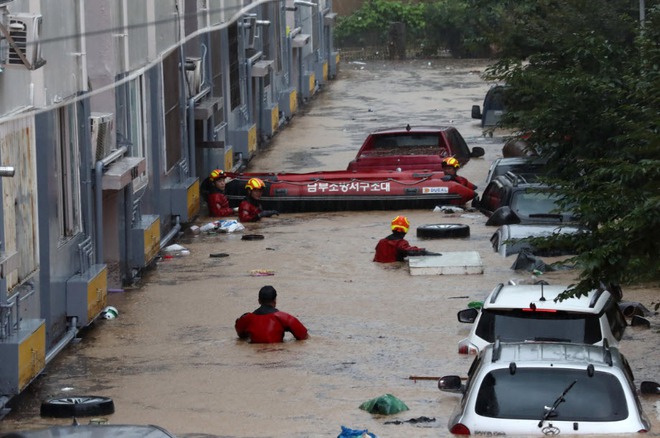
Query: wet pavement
(172, 358)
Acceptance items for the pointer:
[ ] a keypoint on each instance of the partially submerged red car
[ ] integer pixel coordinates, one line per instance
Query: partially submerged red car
(412, 148)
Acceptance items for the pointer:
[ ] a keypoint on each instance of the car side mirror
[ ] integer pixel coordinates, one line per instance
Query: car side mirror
(503, 216)
(467, 315)
(450, 384)
(477, 152)
(476, 112)
(648, 387)
(476, 202)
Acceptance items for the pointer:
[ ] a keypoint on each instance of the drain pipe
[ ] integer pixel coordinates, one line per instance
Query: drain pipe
(68, 337)
(173, 232)
(98, 175)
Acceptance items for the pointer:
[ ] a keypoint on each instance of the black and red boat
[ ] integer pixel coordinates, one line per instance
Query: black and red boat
(349, 190)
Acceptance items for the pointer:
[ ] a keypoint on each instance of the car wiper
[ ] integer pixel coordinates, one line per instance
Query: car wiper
(549, 410)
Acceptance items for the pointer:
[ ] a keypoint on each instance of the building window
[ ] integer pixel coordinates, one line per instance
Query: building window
(172, 109)
(234, 72)
(68, 171)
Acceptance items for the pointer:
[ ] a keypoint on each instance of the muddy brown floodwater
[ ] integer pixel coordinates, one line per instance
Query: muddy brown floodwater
(172, 358)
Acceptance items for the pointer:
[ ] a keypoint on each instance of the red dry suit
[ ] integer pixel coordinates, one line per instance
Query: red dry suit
(218, 205)
(268, 325)
(249, 209)
(460, 180)
(394, 248)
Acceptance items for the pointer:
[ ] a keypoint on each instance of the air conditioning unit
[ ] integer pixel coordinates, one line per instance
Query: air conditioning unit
(102, 125)
(25, 32)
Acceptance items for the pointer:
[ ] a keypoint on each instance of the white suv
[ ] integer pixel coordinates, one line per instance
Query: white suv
(546, 388)
(515, 313)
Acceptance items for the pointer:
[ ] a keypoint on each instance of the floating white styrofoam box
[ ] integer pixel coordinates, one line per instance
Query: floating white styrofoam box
(449, 263)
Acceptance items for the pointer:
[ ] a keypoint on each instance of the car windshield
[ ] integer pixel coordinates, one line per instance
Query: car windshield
(596, 398)
(527, 203)
(520, 325)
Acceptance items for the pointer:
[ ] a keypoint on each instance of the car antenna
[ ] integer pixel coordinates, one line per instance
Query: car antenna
(542, 297)
(408, 127)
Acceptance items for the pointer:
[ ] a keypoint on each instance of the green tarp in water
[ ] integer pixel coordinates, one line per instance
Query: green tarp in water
(385, 405)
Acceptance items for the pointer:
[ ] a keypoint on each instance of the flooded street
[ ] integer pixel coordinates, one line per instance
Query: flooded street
(172, 358)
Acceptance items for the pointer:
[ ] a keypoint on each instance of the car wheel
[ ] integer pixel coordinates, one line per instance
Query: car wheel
(77, 406)
(438, 231)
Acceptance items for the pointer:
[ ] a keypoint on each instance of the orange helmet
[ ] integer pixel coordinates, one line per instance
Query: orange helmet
(451, 162)
(255, 184)
(400, 223)
(217, 173)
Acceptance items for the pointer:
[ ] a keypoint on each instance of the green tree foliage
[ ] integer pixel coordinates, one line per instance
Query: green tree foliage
(587, 90)
(371, 23)
(455, 26)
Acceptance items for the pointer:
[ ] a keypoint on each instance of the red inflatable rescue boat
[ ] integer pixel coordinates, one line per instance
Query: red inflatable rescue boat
(346, 190)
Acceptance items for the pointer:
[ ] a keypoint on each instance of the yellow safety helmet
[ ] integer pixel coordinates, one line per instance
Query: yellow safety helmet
(400, 223)
(217, 173)
(451, 162)
(255, 184)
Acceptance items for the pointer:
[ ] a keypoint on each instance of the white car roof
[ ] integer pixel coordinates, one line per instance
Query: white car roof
(519, 231)
(542, 297)
(555, 353)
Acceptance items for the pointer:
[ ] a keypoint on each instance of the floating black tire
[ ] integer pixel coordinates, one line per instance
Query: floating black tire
(440, 231)
(252, 237)
(77, 406)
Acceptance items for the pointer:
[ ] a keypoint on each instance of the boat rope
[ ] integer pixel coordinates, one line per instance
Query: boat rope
(322, 180)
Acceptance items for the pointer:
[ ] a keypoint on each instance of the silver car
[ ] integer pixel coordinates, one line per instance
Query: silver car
(546, 388)
(530, 313)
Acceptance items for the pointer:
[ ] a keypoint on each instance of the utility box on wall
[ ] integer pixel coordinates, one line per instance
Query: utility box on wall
(288, 102)
(271, 117)
(23, 356)
(184, 199)
(245, 141)
(308, 85)
(87, 294)
(146, 240)
(334, 65)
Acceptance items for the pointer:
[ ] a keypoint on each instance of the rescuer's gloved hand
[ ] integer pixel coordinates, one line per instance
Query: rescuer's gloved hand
(269, 213)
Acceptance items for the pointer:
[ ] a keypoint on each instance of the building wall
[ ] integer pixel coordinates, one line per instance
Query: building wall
(69, 212)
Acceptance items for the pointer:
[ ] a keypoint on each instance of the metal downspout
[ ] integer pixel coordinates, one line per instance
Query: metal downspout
(192, 147)
(98, 200)
(173, 232)
(68, 337)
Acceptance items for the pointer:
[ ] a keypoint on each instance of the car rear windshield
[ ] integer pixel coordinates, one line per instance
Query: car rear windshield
(596, 398)
(526, 203)
(520, 325)
(406, 144)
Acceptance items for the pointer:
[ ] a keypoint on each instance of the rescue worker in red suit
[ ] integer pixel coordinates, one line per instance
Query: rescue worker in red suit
(250, 210)
(450, 166)
(267, 324)
(395, 247)
(213, 190)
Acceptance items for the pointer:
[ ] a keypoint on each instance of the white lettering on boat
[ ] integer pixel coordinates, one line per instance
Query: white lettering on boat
(348, 187)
